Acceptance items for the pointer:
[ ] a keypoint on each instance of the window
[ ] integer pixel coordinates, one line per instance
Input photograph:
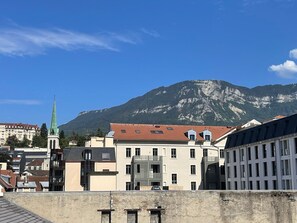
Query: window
(241, 154)
(128, 169)
(222, 153)
(256, 152)
(207, 137)
(173, 153)
(286, 168)
(242, 171)
(284, 147)
(273, 166)
(105, 156)
(274, 185)
(128, 152)
(234, 156)
(105, 216)
(138, 168)
(251, 185)
(155, 151)
(174, 178)
(192, 137)
(266, 184)
(258, 185)
(265, 169)
(128, 186)
(222, 170)
(295, 140)
(235, 171)
(123, 131)
(193, 169)
(242, 185)
(264, 151)
(137, 151)
(257, 170)
(272, 147)
(250, 170)
(227, 157)
(156, 131)
(155, 168)
(132, 216)
(205, 153)
(137, 131)
(192, 153)
(193, 185)
(155, 216)
(235, 185)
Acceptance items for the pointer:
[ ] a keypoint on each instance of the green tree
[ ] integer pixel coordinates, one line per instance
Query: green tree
(100, 133)
(81, 141)
(25, 142)
(39, 141)
(43, 131)
(62, 135)
(12, 141)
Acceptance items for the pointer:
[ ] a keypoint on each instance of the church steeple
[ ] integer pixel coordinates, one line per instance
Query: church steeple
(54, 127)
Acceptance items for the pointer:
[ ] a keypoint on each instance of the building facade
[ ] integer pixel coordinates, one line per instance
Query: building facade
(263, 157)
(19, 130)
(89, 169)
(174, 157)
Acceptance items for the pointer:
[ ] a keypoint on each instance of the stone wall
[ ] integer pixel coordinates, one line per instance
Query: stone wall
(175, 206)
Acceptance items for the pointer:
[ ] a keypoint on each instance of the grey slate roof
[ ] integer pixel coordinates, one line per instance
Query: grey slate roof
(269, 130)
(11, 213)
(98, 154)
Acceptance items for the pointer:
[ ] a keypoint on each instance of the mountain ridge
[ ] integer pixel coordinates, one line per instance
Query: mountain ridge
(196, 102)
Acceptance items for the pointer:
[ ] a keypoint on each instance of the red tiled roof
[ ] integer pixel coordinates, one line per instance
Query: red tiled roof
(146, 132)
(19, 125)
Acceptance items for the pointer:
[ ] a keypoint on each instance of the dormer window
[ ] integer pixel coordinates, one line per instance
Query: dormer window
(191, 134)
(207, 135)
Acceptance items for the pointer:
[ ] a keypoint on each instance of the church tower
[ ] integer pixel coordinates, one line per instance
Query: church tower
(55, 155)
(53, 133)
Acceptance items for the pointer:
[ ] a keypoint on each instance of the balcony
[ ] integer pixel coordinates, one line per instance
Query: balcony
(147, 158)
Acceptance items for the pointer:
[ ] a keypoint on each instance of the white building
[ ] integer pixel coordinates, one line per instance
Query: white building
(263, 157)
(19, 130)
(177, 157)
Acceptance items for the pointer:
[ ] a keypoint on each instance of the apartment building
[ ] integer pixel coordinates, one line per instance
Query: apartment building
(19, 130)
(92, 169)
(174, 157)
(263, 157)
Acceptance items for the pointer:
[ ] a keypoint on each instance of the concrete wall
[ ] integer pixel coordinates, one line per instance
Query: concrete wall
(176, 206)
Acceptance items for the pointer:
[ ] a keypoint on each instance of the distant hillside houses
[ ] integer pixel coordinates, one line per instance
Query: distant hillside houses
(19, 130)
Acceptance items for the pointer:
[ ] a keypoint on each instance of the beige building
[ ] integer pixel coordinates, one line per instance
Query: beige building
(175, 157)
(91, 169)
(19, 130)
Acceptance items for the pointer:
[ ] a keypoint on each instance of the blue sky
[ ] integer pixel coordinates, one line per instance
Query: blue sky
(97, 54)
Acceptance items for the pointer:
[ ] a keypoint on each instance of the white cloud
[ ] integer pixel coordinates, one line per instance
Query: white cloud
(293, 53)
(22, 41)
(19, 102)
(287, 70)
(152, 33)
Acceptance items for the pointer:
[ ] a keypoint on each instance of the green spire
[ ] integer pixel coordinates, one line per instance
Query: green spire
(54, 127)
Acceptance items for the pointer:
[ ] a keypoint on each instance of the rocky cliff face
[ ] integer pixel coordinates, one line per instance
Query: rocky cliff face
(194, 102)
